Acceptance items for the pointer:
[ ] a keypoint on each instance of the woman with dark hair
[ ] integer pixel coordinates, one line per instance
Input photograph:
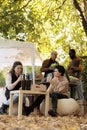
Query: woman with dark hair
(13, 82)
(58, 89)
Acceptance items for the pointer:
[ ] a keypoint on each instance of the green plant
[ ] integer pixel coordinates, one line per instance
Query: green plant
(2, 79)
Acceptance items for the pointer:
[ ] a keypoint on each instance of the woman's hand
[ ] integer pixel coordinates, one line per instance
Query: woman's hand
(20, 78)
(20, 88)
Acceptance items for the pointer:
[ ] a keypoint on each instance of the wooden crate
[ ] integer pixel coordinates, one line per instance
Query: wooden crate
(83, 107)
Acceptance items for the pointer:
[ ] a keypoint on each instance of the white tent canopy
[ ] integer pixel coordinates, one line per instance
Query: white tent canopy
(11, 50)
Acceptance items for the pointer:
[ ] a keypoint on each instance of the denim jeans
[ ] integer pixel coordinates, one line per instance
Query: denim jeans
(15, 99)
(79, 89)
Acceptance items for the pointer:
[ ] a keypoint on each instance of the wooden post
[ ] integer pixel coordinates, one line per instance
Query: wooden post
(20, 104)
(11, 104)
(46, 103)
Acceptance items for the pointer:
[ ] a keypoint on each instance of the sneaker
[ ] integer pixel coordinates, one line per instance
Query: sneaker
(52, 113)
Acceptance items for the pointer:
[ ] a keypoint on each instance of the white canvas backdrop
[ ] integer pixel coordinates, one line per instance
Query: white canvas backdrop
(11, 50)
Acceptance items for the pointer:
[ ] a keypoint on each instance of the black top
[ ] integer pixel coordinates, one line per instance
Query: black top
(50, 63)
(14, 78)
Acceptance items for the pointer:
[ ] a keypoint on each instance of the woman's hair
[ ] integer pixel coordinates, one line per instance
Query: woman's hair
(61, 69)
(16, 63)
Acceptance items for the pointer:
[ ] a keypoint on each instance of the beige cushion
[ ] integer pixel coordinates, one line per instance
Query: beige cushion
(15, 109)
(15, 106)
(64, 106)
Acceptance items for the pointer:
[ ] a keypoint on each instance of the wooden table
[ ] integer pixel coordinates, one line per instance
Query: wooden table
(20, 104)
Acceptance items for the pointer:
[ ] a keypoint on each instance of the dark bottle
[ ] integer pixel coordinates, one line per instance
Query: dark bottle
(27, 77)
(23, 84)
(28, 82)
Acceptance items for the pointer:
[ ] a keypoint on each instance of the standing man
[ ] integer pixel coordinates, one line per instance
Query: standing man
(48, 65)
(75, 69)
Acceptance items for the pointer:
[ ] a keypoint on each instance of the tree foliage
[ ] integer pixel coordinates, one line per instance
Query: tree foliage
(50, 24)
(84, 22)
(2, 79)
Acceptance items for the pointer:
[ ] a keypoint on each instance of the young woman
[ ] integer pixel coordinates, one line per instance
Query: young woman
(13, 82)
(58, 89)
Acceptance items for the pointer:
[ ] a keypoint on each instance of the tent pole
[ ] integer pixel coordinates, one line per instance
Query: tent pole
(33, 63)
